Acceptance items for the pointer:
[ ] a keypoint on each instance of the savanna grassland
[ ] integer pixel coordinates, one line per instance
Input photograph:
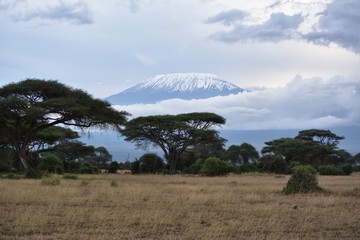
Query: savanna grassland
(178, 207)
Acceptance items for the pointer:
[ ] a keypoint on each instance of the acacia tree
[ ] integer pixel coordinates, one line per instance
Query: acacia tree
(174, 133)
(31, 106)
(311, 146)
(324, 137)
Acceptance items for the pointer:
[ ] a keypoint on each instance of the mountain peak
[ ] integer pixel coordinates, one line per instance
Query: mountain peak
(175, 85)
(186, 82)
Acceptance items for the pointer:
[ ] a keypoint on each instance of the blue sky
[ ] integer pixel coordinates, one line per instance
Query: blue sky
(304, 53)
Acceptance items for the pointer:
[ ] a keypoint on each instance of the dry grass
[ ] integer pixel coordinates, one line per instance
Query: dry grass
(178, 207)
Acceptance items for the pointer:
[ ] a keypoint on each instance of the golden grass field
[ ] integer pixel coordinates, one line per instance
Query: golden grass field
(178, 207)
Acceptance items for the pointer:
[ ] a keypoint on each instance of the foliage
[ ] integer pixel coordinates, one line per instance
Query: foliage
(88, 168)
(114, 166)
(5, 166)
(32, 107)
(345, 169)
(291, 167)
(195, 168)
(324, 137)
(150, 163)
(244, 153)
(248, 167)
(303, 180)
(135, 167)
(51, 164)
(216, 167)
(273, 163)
(330, 170)
(315, 147)
(174, 133)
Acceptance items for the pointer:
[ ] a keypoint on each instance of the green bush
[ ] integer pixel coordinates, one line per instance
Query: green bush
(196, 167)
(150, 163)
(51, 164)
(114, 166)
(303, 180)
(87, 168)
(347, 169)
(216, 167)
(5, 166)
(291, 167)
(247, 167)
(305, 169)
(278, 165)
(330, 170)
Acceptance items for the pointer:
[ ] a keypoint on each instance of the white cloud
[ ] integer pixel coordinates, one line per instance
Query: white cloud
(302, 103)
(337, 23)
(145, 59)
(72, 12)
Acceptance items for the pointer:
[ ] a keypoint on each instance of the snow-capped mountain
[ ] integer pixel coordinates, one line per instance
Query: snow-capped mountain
(177, 85)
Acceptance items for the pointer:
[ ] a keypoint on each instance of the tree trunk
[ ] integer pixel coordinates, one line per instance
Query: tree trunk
(22, 156)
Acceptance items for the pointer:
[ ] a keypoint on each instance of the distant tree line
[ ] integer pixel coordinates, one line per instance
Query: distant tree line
(38, 134)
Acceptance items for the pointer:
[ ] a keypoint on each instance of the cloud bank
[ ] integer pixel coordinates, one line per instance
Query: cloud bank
(77, 13)
(302, 103)
(338, 24)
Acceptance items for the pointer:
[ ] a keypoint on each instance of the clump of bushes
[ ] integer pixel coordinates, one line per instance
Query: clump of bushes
(51, 164)
(303, 180)
(88, 168)
(247, 167)
(345, 169)
(216, 167)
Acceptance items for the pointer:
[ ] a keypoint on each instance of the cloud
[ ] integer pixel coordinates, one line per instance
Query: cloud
(279, 27)
(302, 103)
(339, 24)
(74, 13)
(7, 4)
(228, 17)
(145, 59)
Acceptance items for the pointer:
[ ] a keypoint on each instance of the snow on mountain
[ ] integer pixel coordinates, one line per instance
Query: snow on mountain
(176, 85)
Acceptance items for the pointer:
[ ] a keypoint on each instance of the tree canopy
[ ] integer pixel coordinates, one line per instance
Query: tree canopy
(31, 108)
(312, 146)
(174, 133)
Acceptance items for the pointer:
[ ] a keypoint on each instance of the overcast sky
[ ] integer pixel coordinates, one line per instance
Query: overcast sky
(305, 53)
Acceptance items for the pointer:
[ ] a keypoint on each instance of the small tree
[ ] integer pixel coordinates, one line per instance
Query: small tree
(303, 180)
(114, 166)
(52, 164)
(150, 163)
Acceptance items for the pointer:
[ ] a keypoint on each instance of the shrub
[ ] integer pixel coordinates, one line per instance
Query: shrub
(291, 167)
(330, 170)
(88, 168)
(51, 180)
(216, 167)
(150, 163)
(347, 169)
(52, 164)
(5, 167)
(303, 180)
(114, 166)
(247, 167)
(278, 165)
(196, 167)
